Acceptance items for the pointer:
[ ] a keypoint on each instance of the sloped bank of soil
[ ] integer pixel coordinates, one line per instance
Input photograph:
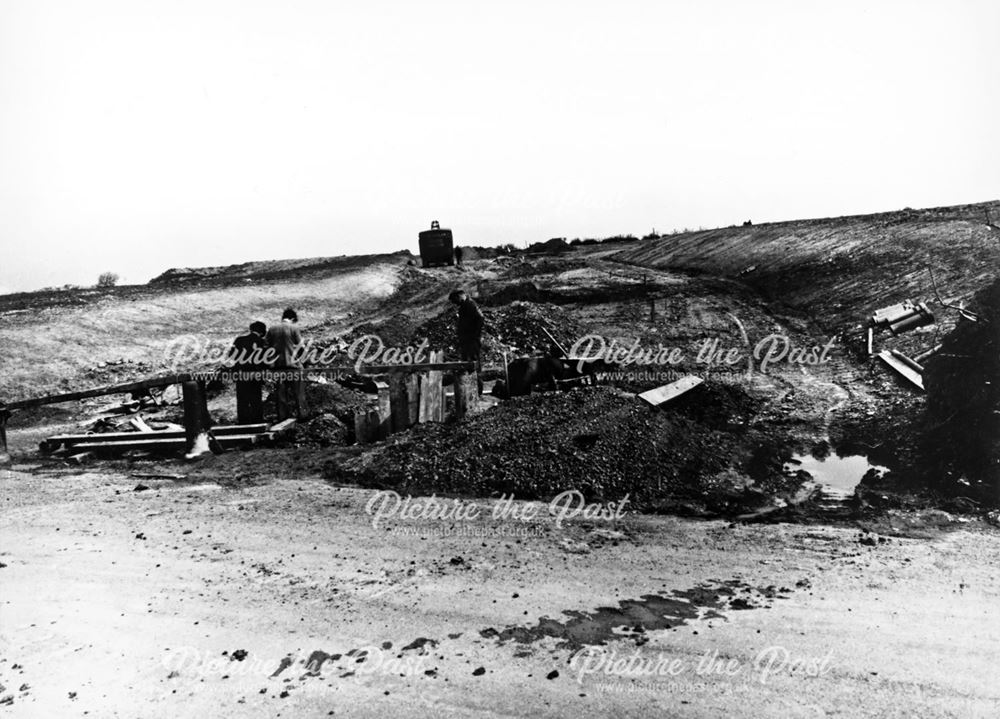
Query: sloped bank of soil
(942, 447)
(698, 454)
(961, 441)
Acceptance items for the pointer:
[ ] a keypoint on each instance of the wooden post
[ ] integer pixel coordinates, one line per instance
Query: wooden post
(431, 396)
(196, 420)
(366, 425)
(384, 410)
(402, 394)
(466, 393)
(413, 395)
(870, 338)
(4, 454)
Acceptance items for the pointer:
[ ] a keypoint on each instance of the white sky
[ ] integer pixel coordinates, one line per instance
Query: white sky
(137, 136)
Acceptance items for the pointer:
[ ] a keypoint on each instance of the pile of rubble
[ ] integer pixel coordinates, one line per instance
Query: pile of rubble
(962, 439)
(329, 418)
(596, 440)
(518, 328)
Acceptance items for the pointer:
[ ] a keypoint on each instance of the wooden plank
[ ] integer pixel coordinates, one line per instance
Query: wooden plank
(153, 443)
(181, 378)
(384, 410)
(399, 401)
(912, 364)
(562, 350)
(282, 426)
(101, 391)
(466, 393)
(440, 366)
(140, 424)
(413, 393)
(924, 355)
(196, 421)
(902, 368)
(431, 397)
(660, 395)
(220, 430)
(169, 443)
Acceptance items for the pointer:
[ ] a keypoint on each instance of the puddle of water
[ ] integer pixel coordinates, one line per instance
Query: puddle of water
(632, 618)
(838, 476)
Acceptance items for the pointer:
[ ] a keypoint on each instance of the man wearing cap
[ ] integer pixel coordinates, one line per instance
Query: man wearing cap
(469, 331)
(247, 355)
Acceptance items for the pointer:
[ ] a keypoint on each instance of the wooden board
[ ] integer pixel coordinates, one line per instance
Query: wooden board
(402, 395)
(431, 393)
(283, 426)
(466, 393)
(661, 395)
(384, 410)
(58, 440)
(168, 443)
(902, 368)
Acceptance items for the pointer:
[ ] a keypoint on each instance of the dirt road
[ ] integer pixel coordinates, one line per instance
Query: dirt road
(190, 598)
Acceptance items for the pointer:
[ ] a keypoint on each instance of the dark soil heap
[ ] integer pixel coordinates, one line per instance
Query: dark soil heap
(962, 441)
(695, 453)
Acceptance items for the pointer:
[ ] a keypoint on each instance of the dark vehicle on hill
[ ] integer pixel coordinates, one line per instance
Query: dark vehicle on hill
(436, 246)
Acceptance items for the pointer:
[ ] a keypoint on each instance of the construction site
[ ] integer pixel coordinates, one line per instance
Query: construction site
(769, 453)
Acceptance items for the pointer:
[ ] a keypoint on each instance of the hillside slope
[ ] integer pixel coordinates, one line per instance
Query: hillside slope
(61, 341)
(838, 270)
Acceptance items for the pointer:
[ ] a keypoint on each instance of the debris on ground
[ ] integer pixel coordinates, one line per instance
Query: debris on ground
(597, 441)
(517, 328)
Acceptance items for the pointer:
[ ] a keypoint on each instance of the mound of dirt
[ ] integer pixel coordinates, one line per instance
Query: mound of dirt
(962, 442)
(329, 399)
(597, 441)
(325, 430)
(521, 325)
(335, 399)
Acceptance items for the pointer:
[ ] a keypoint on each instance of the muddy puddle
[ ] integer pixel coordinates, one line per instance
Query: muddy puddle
(633, 618)
(836, 475)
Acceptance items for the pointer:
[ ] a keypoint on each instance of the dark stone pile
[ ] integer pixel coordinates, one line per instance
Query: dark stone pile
(696, 452)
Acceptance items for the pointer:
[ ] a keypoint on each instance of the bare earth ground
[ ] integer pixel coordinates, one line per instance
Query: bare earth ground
(125, 603)
(117, 602)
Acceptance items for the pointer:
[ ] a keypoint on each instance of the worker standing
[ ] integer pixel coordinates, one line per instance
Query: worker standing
(247, 355)
(285, 341)
(469, 330)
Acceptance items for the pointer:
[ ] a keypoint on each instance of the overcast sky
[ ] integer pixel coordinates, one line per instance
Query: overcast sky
(137, 136)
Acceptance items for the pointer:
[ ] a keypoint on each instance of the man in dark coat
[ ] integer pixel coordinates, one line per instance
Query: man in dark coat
(247, 356)
(469, 331)
(286, 342)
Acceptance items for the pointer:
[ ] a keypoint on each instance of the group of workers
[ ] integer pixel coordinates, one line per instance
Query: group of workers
(250, 353)
(281, 346)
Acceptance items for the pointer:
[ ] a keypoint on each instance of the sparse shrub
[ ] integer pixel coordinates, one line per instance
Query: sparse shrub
(107, 279)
